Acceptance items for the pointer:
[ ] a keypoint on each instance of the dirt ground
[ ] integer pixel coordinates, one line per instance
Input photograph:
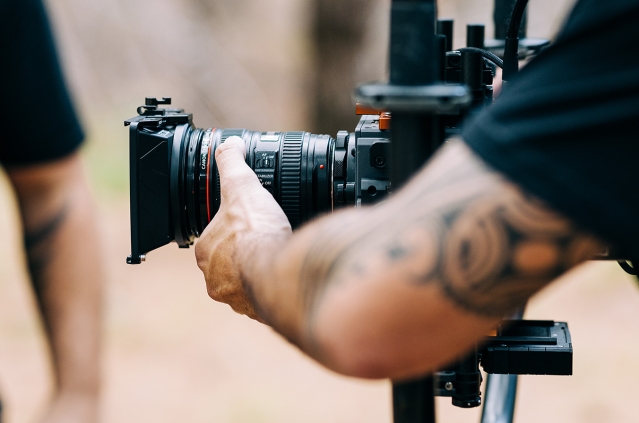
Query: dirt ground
(171, 354)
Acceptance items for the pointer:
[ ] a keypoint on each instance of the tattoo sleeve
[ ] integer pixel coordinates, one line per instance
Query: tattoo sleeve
(459, 225)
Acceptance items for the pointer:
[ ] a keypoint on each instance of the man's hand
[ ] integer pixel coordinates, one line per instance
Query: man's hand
(247, 214)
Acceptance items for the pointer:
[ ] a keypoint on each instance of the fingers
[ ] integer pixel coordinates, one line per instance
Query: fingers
(234, 172)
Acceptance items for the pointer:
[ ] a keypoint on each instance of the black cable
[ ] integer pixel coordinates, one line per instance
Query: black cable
(486, 54)
(516, 18)
(511, 48)
(627, 267)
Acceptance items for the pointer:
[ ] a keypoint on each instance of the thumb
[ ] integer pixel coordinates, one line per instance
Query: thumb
(231, 165)
(230, 155)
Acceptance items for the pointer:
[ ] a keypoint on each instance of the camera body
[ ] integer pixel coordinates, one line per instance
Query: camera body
(175, 185)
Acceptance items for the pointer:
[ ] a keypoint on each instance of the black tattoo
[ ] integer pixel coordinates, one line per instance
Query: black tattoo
(485, 243)
(397, 252)
(39, 251)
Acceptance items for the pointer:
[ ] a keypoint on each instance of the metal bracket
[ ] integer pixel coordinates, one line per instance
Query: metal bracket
(438, 99)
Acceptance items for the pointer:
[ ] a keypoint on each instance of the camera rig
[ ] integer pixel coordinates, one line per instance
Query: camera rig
(426, 96)
(431, 88)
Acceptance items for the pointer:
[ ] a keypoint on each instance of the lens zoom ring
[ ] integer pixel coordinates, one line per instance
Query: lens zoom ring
(339, 167)
(291, 176)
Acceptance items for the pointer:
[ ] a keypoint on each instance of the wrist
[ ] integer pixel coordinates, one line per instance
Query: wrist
(258, 258)
(272, 282)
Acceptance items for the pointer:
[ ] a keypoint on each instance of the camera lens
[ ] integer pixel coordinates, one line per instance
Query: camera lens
(295, 167)
(175, 183)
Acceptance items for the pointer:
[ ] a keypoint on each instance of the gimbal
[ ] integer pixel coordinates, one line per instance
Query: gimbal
(430, 89)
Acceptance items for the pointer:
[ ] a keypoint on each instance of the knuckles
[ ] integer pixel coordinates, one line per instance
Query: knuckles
(214, 293)
(224, 292)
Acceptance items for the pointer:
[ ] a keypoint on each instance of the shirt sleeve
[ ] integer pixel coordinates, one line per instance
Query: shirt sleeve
(39, 123)
(565, 128)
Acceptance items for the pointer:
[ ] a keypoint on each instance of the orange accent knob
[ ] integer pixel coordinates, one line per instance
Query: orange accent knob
(385, 121)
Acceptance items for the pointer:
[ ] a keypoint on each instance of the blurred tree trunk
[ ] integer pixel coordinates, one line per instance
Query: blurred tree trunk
(339, 33)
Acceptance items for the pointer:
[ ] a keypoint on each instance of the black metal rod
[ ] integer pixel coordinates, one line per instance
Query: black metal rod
(440, 41)
(413, 61)
(410, 156)
(472, 66)
(414, 401)
(446, 28)
(475, 35)
(412, 42)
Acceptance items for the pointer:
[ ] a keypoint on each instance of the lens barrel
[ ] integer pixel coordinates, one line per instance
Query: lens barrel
(295, 167)
(175, 182)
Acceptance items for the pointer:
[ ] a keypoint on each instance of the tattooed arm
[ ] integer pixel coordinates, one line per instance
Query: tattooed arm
(396, 290)
(64, 261)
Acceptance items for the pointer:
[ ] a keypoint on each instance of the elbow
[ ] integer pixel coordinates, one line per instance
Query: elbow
(365, 370)
(373, 353)
(373, 336)
(337, 339)
(357, 347)
(354, 359)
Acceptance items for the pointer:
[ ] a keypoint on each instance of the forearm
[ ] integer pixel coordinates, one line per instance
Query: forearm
(68, 276)
(359, 290)
(401, 288)
(63, 257)
(396, 290)
(344, 294)
(332, 290)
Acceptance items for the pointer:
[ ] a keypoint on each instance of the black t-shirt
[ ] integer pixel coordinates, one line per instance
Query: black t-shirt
(37, 119)
(565, 128)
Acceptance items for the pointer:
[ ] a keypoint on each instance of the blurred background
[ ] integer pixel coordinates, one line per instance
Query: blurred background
(171, 354)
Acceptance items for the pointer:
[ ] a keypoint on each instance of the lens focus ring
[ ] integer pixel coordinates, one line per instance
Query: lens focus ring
(291, 176)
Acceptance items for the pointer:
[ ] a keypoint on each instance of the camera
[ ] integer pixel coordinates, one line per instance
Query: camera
(175, 184)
